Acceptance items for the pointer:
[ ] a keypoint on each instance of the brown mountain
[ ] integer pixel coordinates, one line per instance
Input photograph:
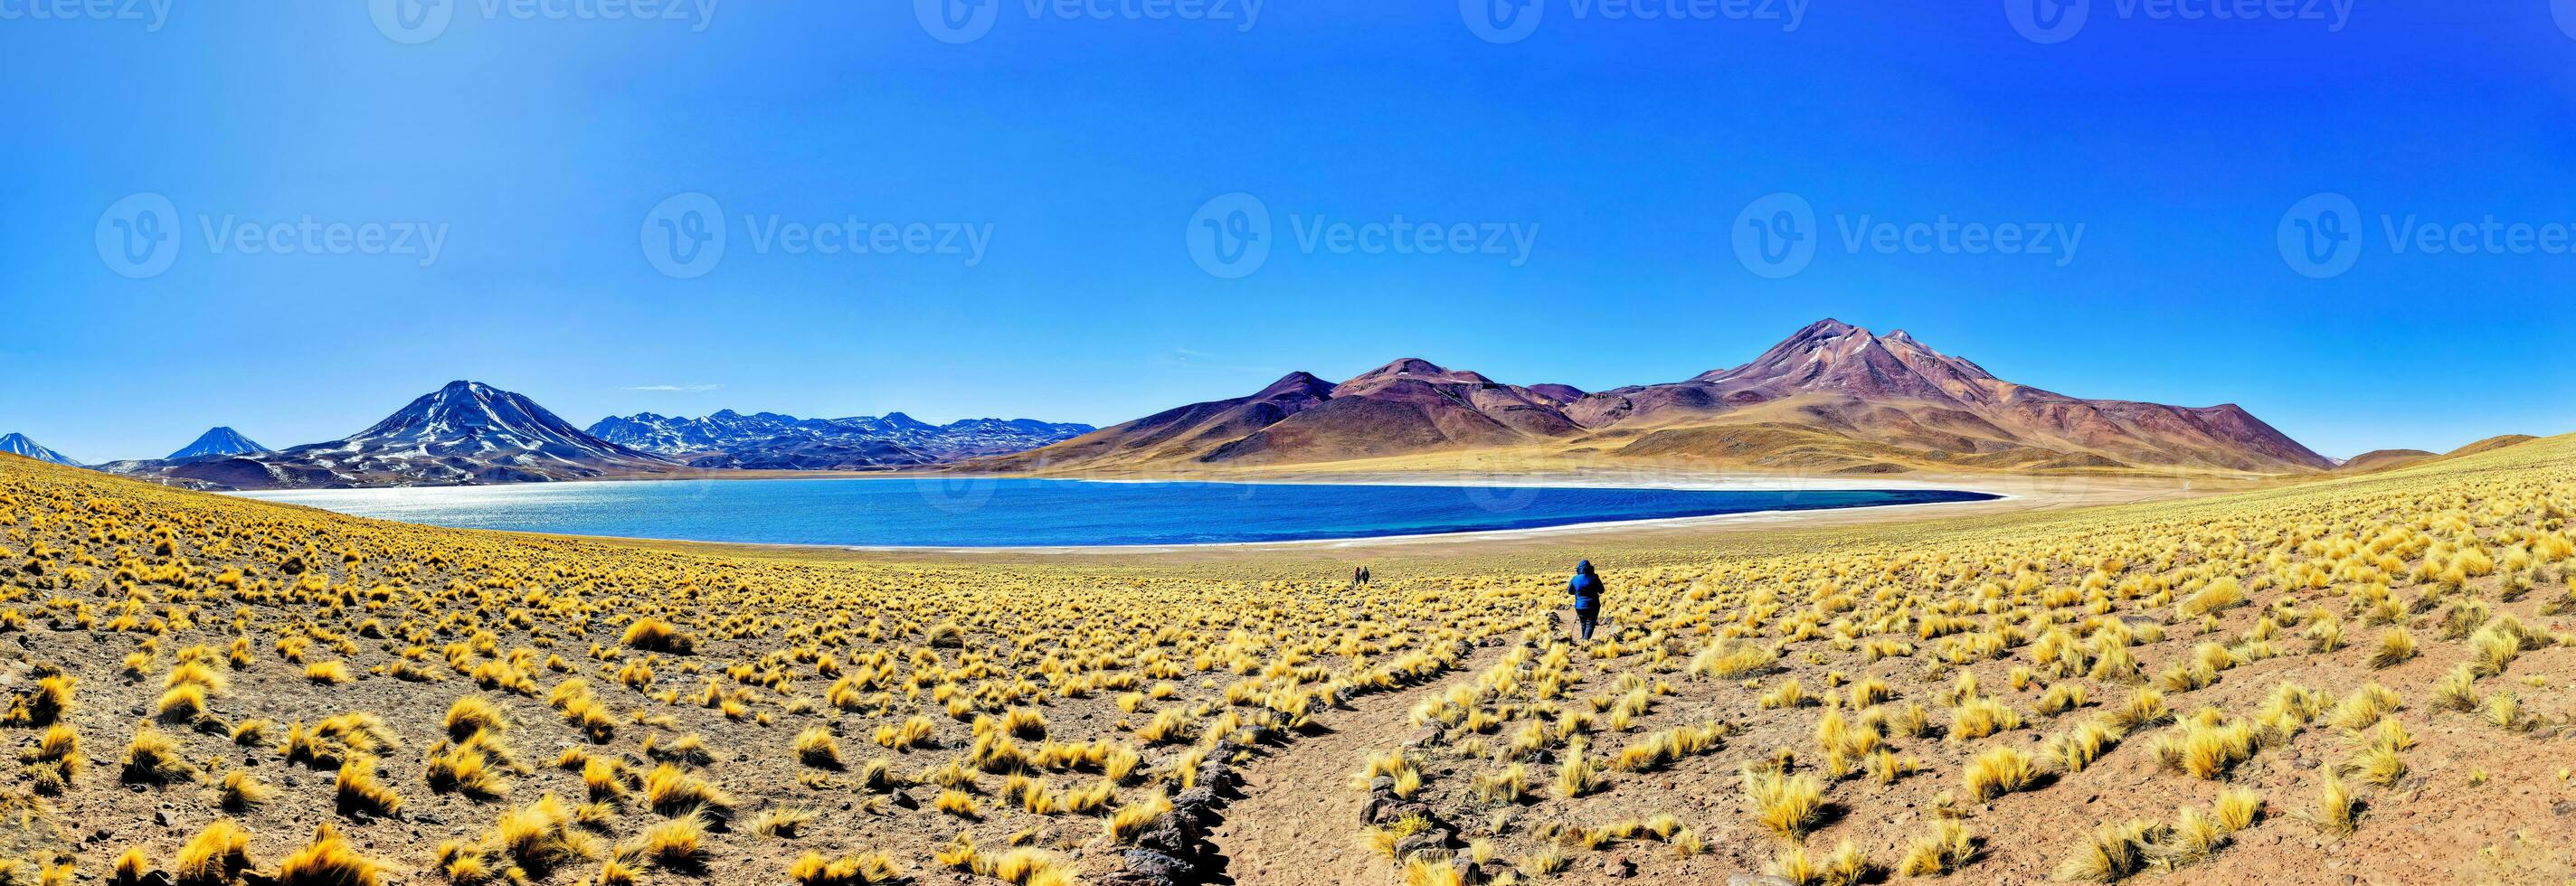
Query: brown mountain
(2391, 459)
(2384, 460)
(1407, 406)
(1832, 397)
(1898, 392)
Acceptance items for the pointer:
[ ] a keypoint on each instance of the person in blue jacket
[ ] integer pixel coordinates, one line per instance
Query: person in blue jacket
(1586, 588)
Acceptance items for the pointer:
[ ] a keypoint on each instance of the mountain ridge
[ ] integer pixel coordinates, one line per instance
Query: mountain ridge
(777, 441)
(465, 432)
(1831, 397)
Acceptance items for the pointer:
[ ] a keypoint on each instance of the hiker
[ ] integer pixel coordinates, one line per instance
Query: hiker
(1586, 588)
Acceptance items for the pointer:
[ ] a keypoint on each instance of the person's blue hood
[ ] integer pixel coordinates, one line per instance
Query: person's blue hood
(1583, 568)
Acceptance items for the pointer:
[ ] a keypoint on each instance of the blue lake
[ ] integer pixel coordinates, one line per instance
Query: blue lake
(985, 512)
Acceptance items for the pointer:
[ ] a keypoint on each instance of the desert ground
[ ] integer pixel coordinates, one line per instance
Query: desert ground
(2337, 680)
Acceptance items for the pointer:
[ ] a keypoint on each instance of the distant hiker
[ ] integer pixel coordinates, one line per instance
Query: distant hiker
(1365, 577)
(1586, 588)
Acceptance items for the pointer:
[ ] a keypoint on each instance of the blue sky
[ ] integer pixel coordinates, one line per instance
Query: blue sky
(1609, 158)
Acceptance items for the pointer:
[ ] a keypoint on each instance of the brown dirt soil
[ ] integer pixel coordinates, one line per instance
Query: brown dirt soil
(1296, 825)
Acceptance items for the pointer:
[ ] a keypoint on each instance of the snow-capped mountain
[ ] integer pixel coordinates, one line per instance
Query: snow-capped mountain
(466, 432)
(217, 442)
(18, 444)
(770, 440)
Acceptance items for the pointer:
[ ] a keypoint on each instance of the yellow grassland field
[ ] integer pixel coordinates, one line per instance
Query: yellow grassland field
(2341, 680)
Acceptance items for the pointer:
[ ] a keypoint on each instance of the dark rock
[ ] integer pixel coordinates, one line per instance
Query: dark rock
(1149, 866)
(904, 799)
(1619, 866)
(1430, 840)
(1381, 784)
(1167, 835)
(1469, 874)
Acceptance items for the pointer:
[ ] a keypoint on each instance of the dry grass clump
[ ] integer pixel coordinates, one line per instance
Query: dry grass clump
(153, 757)
(1785, 805)
(1947, 848)
(241, 791)
(672, 791)
(358, 791)
(817, 748)
(867, 869)
(655, 635)
(217, 854)
(1999, 771)
(328, 860)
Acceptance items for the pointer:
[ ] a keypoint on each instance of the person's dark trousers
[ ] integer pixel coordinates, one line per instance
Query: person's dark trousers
(1587, 618)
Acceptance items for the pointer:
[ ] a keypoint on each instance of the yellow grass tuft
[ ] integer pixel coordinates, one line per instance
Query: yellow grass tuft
(1784, 805)
(328, 860)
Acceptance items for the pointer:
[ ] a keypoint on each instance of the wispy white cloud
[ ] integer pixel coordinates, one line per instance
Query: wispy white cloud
(690, 389)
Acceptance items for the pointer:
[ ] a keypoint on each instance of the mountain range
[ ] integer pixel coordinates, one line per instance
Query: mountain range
(465, 432)
(1830, 398)
(772, 441)
(469, 433)
(19, 444)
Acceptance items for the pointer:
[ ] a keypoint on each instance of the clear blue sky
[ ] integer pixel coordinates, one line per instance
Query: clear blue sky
(539, 146)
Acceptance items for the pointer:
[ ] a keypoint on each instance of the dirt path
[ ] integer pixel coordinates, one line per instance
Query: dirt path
(1299, 823)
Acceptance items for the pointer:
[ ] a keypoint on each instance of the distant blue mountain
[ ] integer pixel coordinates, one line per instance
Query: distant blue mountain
(218, 441)
(770, 440)
(18, 444)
